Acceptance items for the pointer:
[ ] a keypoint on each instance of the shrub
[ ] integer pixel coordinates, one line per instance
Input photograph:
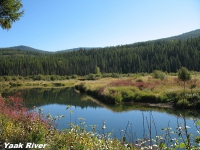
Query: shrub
(127, 96)
(106, 75)
(145, 97)
(183, 103)
(14, 78)
(20, 125)
(91, 76)
(2, 79)
(39, 77)
(157, 74)
(21, 78)
(139, 80)
(116, 75)
(7, 78)
(68, 77)
(74, 76)
(53, 78)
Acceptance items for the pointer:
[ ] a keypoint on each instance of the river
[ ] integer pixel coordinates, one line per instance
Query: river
(136, 121)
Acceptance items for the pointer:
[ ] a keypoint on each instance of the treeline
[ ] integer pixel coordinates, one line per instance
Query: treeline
(140, 57)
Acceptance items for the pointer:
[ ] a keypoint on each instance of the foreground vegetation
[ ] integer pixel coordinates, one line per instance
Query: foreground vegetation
(18, 125)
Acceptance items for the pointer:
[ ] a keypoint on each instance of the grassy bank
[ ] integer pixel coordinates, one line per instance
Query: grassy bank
(144, 89)
(158, 87)
(28, 83)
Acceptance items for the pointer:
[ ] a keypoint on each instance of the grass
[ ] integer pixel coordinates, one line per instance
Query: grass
(145, 89)
(39, 84)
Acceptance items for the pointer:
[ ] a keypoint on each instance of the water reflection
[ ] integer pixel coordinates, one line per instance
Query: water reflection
(117, 117)
(64, 96)
(68, 96)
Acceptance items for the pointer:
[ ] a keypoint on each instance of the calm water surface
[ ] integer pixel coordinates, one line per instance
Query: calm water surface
(138, 119)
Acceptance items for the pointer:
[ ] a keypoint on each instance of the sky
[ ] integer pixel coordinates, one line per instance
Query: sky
(65, 24)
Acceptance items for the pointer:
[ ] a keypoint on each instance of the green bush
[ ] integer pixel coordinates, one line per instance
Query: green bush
(14, 78)
(2, 79)
(182, 103)
(127, 96)
(7, 78)
(145, 97)
(74, 76)
(106, 75)
(157, 74)
(91, 76)
(172, 96)
(53, 78)
(116, 75)
(39, 77)
(20, 78)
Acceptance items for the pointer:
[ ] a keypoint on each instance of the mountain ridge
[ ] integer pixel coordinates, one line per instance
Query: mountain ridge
(183, 36)
(27, 48)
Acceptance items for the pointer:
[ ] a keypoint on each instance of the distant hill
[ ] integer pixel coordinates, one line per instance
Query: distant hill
(77, 49)
(27, 48)
(184, 36)
(143, 57)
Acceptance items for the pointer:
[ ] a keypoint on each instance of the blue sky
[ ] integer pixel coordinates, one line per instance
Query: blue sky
(58, 25)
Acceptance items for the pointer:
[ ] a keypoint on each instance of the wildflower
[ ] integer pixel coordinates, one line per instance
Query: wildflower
(103, 127)
(198, 131)
(155, 145)
(174, 139)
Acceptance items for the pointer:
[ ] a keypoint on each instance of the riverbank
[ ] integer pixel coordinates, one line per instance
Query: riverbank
(163, 93)
(24, 84)
(18, 125)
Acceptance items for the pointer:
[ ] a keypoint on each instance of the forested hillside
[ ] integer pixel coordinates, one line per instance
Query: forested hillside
(139, 57)
(185, 36)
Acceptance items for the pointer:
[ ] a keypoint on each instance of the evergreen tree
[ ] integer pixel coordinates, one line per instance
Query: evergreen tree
(10, 11)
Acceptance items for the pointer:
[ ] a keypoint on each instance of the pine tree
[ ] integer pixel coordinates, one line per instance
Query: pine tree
(10, 11)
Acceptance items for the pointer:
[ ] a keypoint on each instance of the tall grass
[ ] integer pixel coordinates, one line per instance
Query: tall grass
(144, 89)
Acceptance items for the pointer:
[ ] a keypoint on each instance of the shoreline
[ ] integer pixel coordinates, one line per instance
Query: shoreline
(167, 93)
